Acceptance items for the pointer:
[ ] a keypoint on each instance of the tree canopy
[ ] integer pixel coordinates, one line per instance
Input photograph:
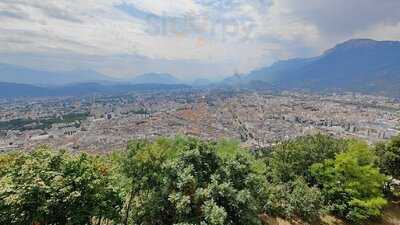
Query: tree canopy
(45, 187)
(187, 181)
(352, 184)
(196, 186)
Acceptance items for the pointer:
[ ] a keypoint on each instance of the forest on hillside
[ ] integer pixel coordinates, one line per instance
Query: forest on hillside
(186, 181)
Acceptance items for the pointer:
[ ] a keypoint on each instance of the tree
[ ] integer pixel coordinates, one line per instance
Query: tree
(293, 158)
(292, 192)
(144, 166)
(46, 187)
(351, 183)
(389, 157)
(186, 181)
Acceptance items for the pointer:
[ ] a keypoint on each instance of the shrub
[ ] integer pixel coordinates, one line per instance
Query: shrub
(295, 200)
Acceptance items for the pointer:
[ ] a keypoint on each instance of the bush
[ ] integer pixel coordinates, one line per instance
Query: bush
(295, 200)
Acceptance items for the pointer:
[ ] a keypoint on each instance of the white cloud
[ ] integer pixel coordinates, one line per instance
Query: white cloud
(167, 7)
(234, 34)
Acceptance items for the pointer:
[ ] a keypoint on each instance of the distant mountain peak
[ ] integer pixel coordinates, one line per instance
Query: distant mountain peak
(351, 44)
(361, 44)
(358, 41)
(366, 41)
(360, 65)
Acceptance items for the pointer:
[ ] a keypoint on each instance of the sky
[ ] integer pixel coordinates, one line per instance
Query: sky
(191, 39)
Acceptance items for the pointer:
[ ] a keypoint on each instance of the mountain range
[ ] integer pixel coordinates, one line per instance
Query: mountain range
(23, 75)
(359, 65)
(10, 90)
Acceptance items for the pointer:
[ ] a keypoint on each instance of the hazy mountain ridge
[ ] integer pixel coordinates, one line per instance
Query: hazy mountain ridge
(10, 90)
(22, 75)
(361, 65)
(17, 81)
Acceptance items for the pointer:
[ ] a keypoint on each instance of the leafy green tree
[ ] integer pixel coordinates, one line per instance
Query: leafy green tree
(186, 181)
(293, 158)
(389, 157)
(143, 165)
(351, 183)
(292, 192)
(6, 160)
(46, 187)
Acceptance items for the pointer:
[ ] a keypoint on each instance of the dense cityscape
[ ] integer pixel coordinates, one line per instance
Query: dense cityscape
(101, 123)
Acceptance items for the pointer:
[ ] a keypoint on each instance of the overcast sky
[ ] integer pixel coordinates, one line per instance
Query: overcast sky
(189, 38)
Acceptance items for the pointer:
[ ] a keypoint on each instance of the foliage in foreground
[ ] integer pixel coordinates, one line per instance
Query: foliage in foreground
(45, 187)
(186, 181)
(389, 157)
(294, 200)
(198, 186)
(293, 192)
(352, 184)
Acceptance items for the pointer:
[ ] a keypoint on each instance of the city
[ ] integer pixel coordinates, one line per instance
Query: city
(106, 123)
